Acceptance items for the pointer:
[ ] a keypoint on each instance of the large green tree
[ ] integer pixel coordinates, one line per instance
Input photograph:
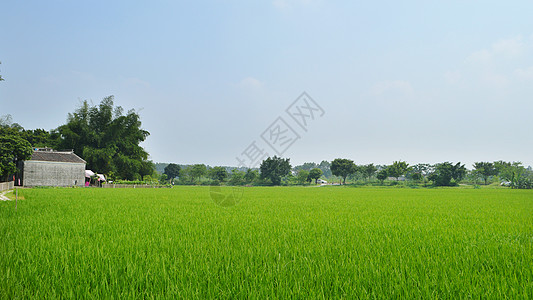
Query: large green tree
(107, 139)
(368, 171)
(397, 169)
(445, 172)
(314, 174)
(251, 175)
(485, 170)
(273, 168)
(196, 171)
(382, 175)
(218, 173)
(172, 171)
(13, 149)
(302, 177)
(517, 175)
(343, 167)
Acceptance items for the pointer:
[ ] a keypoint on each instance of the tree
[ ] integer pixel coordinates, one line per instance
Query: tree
(501, 166)
(342, 167)
(107, 139)
(315, 174)
(382, 175)
(274, 168)
(303, 176)
(236, 178)
(368, 171)
(196, 171)
(306, 166)
(397, 169)
(172, 171)
(485, 170)
(13, 149)
(251, 175)
(418, 171)
(1, 79)
(516, 174)
(217, 173)
(163, 178)
(325, 166)
(445, 172)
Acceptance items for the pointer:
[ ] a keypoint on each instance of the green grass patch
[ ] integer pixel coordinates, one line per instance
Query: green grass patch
(278, 242)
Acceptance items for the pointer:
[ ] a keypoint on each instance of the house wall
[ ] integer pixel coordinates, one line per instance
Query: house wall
(46, 173)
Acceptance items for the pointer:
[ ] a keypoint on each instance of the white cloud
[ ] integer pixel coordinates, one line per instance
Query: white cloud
(510, 47)
(524, 74)
(395, 86)
(495, 80)
(453, 77)
(250, 83)
(507, 48)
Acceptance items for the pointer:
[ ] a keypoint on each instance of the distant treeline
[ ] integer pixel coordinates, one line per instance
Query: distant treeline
(278, 171)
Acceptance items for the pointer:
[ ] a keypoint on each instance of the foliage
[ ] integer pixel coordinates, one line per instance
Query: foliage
(251, 175)
(236, 177)
(418, 172)
(273, 168)
(302, 177)
(397, 169)
(368, 171)
(13, 149)
(308, 166)
(382, 175)
(445, 172)
(172, 171)
(518, 176)
(485, 170)
(107, 139)
(194, 172)
(217, 173)
(342, 167)
(314, 174)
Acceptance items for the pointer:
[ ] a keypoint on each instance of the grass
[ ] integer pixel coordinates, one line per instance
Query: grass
(300, 242)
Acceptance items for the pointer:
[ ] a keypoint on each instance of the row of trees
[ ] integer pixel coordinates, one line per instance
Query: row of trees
(276, 170)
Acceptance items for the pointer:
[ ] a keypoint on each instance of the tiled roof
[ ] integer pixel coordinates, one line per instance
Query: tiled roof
(56, 156)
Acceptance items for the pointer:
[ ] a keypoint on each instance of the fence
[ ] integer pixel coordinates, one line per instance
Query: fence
(7, 185)
(133, 186)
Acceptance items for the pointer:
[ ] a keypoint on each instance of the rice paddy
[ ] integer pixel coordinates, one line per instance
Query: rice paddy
(277, 242)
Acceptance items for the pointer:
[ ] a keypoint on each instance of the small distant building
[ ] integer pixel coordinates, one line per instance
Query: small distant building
(48, 167)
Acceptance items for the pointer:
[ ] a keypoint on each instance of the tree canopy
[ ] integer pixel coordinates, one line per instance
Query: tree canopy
(172, 171)
(342, 167)
(314, 174)
(107, 139)
(445, 172)
(218, 173)
(13, 149)
(397, 169)
(485, 170)
(273, 168)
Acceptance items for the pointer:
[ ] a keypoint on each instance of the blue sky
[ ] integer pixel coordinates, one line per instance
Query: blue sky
(422, 81)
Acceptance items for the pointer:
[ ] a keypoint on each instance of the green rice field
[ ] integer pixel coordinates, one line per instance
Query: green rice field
(277, 242)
